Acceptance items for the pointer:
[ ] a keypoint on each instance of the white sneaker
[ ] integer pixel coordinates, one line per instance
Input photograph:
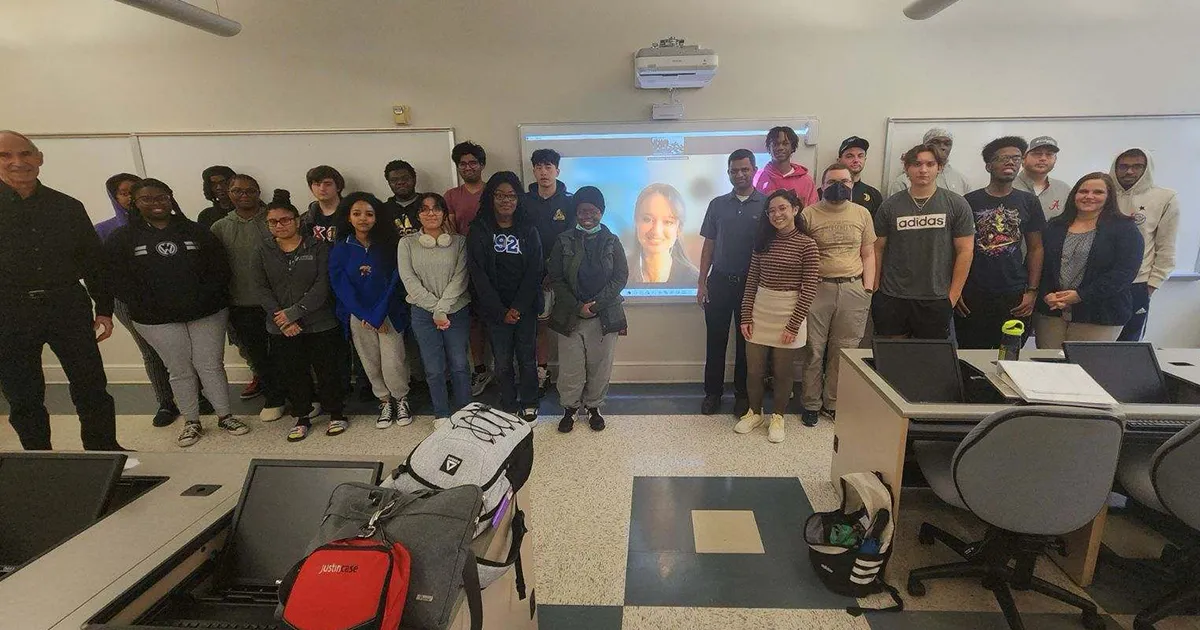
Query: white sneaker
(190, 435)
(438, 423)
(403, 413)
(271, 414)
(387, 415)
(775, 431)
(748, 423)
(479, 381)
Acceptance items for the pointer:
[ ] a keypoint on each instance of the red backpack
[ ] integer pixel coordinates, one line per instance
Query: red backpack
(353, 583)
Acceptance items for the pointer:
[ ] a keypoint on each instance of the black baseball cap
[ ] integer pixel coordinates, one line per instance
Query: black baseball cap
(854, 142)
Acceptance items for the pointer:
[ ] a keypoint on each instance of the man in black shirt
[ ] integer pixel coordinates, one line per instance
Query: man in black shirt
(403, 205)
(853, 155)
(1003, 282)
(47, 243)
(216, 189)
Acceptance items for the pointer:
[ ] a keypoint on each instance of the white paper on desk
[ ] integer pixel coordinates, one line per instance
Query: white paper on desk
(131, 463)
(1055, 384)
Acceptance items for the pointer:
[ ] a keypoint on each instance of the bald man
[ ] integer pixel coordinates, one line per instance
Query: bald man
(47, 244)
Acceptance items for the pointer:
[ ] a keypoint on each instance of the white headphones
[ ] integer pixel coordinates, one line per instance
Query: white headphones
(428, 242)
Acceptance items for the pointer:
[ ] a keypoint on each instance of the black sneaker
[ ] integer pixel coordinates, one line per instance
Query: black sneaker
(529, 414)
(809, 418)
(206, 408)
(830, 413)
(166, 416)
(568, 420)
(741, 404)
(711, 404)
(596, 421)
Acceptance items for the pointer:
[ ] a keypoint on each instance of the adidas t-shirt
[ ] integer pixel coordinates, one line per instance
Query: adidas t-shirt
(918, 260)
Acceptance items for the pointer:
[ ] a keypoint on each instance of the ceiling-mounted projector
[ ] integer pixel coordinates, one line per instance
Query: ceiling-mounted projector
(670, 64)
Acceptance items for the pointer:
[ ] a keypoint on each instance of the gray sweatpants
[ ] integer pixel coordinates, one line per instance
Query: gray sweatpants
(585, 361)
(160, 381)
(194, 353)
(382, 359)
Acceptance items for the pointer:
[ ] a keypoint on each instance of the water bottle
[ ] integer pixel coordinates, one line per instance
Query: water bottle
(1010, 345)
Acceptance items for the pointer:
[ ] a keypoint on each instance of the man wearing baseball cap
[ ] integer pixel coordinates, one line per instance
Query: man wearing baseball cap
(1035, 176)
(853, 155)
(942, 141)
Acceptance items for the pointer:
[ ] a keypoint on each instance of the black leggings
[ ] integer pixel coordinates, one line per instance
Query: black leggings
(325, 354)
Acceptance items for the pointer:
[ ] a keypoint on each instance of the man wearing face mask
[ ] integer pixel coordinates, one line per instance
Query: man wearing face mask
(853, 155)
(845, 236)
(1003, 281)
(942, 141)
(729, 229)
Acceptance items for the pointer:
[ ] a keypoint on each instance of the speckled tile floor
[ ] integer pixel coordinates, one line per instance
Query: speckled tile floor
(611, 517)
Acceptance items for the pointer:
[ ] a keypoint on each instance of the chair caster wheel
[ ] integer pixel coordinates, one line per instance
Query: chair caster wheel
(916, 589)
(925, 534)
(1092, 621)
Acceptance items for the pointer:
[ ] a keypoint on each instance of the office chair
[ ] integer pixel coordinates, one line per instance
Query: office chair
(1032, 474)
(1165, 479)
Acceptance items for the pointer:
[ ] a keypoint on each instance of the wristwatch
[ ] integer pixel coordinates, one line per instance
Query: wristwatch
(1031, 290)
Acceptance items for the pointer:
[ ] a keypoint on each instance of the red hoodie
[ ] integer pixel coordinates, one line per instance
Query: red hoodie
(768, 179)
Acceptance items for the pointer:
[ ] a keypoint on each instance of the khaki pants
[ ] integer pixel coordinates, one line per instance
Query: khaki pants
(836, 320)
(1051, 332)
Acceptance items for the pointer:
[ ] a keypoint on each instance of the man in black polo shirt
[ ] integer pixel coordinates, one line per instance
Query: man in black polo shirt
(402, 205)
(853, 155)
(728, 230)
(47, 243)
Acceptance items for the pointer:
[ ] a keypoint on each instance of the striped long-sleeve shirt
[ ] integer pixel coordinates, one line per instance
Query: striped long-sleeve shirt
(790, 263)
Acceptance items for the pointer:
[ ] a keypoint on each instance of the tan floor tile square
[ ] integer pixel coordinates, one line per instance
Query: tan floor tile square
(726, 531)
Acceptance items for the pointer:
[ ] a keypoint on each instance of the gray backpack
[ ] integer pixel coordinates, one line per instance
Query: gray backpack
(436, 526)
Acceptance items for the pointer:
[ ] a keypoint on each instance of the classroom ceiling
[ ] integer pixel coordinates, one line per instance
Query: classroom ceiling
(80, 22)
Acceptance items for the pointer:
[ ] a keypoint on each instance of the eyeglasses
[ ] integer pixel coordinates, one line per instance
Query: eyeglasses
(238, 192)
(469, 164)
(1130, 167)
(504, 197)
(430, 211)
(153, 199)
(283, 221)
(1007, 159)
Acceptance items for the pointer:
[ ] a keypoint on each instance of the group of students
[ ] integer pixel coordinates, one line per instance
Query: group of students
(295, 291)
(801, 270)
(931, 260)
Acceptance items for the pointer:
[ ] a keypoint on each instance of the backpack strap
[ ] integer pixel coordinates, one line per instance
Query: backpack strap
(474, 593)
(514, 550)
(856, 611)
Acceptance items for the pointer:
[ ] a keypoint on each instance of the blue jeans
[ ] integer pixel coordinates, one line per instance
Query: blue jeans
(442, 347)
(516, 339)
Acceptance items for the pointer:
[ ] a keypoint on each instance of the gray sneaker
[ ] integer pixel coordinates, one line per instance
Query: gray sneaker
(479, 381)
(233, 426)
(192, 431)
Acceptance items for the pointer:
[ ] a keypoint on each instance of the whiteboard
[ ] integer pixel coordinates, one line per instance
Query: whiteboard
(280, 159)
(78, 165)
(1088, 143)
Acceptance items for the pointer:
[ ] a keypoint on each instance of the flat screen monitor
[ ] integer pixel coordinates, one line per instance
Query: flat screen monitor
(921, 370)
(46, 498)
(280, 511)
(1127, 370)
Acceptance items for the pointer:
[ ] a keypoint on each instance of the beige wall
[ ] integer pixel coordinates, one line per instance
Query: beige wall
(485, 67)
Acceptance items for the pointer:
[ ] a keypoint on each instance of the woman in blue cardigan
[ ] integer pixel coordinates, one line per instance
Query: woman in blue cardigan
(370, 301)
(1093, 253)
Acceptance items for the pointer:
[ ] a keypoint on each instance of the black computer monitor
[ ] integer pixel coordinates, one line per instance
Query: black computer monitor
(46, 498)
(1128, 371)
(921, 370)
(279, 513)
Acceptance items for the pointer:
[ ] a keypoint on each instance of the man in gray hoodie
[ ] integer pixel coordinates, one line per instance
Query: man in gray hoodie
(1156, 212)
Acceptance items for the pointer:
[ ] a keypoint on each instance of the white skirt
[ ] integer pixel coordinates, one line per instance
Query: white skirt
(772, 310)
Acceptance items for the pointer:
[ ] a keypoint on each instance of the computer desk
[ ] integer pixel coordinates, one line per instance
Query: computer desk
(75, 581)
(874, 423)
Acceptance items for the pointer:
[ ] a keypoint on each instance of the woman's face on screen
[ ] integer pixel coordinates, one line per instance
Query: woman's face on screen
(657, 225)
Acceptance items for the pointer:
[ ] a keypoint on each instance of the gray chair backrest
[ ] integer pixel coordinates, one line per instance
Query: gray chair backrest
(1041, 470)
(1175, 473)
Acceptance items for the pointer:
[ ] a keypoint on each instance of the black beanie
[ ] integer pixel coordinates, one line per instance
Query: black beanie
(589, 194)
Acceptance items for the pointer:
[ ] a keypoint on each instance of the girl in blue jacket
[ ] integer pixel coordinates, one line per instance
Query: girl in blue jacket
(370, 301)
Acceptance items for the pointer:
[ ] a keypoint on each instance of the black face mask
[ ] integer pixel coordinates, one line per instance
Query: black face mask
(837, 192)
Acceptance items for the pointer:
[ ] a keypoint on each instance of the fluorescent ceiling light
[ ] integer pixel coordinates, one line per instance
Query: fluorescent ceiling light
(189, 14)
